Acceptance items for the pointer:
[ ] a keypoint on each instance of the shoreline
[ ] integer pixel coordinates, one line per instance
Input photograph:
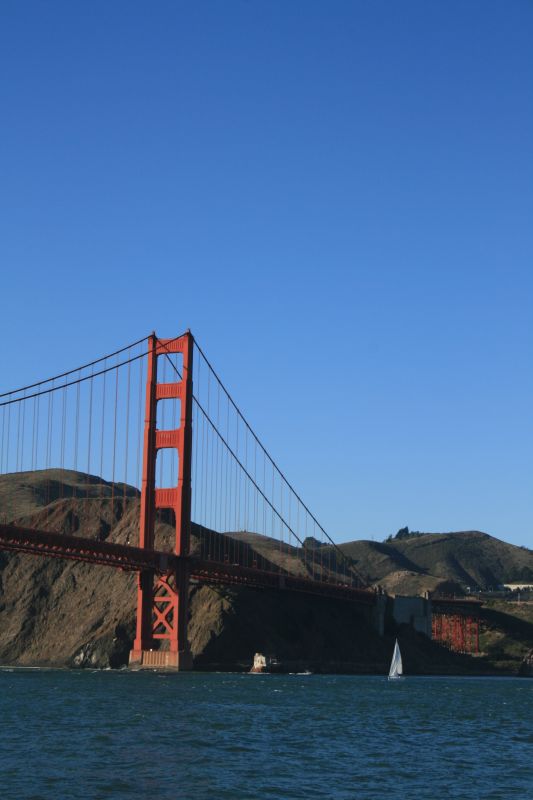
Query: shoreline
(219, 669)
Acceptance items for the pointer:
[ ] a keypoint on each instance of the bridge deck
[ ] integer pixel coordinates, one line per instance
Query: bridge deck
(128, 557)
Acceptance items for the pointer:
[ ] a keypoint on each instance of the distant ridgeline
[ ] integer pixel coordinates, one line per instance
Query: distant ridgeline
(513, 573)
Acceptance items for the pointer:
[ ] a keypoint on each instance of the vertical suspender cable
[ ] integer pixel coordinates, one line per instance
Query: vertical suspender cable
(77, 425)
(114, 444)
(126, 435)
(17, 468)
(137, 481)
(89, 432)
(102, 427)
(23, 432)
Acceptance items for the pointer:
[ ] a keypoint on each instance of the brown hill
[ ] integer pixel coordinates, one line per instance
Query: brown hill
(22, 493)
(64, 613)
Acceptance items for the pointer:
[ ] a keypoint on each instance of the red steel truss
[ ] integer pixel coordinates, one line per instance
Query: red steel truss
(455, 624)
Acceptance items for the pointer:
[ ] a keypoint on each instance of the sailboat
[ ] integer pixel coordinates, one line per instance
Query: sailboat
(396, 668)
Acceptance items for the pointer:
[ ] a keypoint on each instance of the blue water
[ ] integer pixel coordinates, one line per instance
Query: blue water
(145, 735)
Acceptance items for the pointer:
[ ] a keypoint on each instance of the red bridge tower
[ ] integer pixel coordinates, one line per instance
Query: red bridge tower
(162, 601)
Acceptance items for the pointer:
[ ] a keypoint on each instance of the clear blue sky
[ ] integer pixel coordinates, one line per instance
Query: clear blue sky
(337, 198)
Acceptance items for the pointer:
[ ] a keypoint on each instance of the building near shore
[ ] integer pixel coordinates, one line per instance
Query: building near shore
(519, 587)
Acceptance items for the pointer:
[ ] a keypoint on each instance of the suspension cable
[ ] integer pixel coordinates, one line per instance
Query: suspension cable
(71, 371)
(85, 377)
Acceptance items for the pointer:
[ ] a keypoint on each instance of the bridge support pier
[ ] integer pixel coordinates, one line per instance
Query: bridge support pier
(163, 600)
(160, 659)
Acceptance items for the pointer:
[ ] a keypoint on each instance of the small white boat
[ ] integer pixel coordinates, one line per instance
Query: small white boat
(396, 667)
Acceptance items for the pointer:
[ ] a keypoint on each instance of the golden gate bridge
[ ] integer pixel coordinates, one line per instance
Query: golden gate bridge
(168, 443)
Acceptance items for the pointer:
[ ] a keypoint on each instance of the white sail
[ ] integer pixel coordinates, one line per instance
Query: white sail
(396, 668)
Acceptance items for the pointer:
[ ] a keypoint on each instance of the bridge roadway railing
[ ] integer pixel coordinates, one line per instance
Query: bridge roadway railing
(137, 559)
